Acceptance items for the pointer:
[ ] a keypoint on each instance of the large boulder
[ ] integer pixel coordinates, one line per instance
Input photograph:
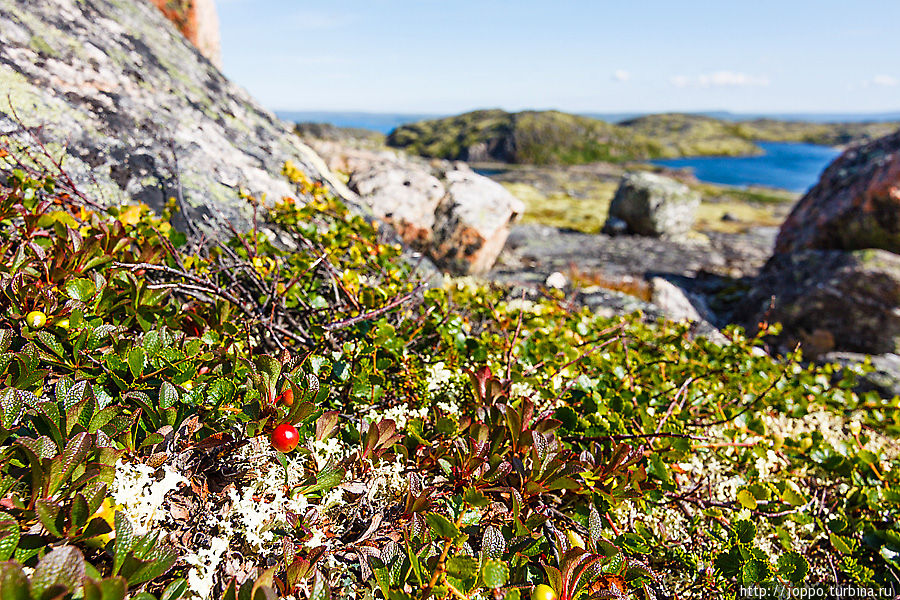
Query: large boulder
(459, 218)
(141, 113)
(830, 300)
(403, 194)
(855, 205)
(472, 222)
(653, 205)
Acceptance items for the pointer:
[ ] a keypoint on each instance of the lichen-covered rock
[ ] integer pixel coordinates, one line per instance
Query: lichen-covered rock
(855, 205)
(830, 300)
(459, 218)
(141, 113)
(402, 194)
(472, 222)
(199, 22)
(655, 206)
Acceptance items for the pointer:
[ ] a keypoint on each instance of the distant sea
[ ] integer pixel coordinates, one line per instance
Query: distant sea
(380, 122)
(385, 122)
(794, 167)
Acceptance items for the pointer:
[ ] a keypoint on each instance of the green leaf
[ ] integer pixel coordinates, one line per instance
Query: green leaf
(48, 512)
(175, 590)
(747, 499)
(14, 584)
(79, 511)
(793, 567)
(744, 532)
(494, 573)
(159, 559)
(462, 567)
(62, 568)
(474, 497)
(168, 395)
(80, 289)
(729, 563)
(493, 544)
(111, 588)
(754, 571)
(841, 544)
(136, 359)
(124, 540)
(12, 408)
(793, 495)
(9, 537)
(441, 526)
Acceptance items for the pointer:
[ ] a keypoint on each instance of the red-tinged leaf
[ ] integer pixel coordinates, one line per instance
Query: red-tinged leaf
(326, 424)
(48, 512)
(73, 456)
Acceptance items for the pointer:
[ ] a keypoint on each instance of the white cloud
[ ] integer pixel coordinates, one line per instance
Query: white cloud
(720, 79)
(621, 75)
(680, 81)
(885, 80)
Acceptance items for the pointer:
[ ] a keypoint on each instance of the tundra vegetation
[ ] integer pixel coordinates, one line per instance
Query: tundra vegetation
(456, 440)
(556, 138)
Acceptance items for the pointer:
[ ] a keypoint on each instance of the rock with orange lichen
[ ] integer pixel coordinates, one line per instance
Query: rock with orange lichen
(459, 218)
(198, 21)
(854, 206)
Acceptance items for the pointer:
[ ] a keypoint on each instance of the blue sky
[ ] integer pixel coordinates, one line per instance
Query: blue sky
(445, 56)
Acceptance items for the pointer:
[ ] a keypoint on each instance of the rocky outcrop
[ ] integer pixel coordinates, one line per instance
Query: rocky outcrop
(141, 113)
(457, 217)
(880, 374)
(855, 205)
(199, 22)
(652, 205)
(402, 194)
(472, 222)
(830, 300)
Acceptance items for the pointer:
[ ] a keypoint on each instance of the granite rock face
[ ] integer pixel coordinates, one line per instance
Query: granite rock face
(830, 300)
(458, 218)
(402, 194)
(141, 113)
(653, 205)
(855, 205)
(472, 222)
(199, 22)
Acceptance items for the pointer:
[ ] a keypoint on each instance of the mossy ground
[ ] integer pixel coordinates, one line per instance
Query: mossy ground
(582, 203)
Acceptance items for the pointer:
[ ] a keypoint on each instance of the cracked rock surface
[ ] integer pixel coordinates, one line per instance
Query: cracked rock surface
(140, 110)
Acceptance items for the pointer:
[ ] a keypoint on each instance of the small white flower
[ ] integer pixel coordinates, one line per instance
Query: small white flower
(557, 280)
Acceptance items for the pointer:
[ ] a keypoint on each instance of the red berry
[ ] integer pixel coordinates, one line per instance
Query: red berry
(286, 397)
(285, 437)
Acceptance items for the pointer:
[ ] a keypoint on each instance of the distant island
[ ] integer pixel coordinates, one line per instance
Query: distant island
(553, 137)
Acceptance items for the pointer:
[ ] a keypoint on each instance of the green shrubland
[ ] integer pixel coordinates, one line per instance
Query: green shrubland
(556, 138)
(456, 440)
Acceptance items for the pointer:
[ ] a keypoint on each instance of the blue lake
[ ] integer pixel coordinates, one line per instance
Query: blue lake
(794, 167)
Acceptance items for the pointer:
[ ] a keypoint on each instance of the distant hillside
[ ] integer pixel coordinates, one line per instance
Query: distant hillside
(551, 137)
(827, 134)
(694, 135)
(698, 135)
(541, 138)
